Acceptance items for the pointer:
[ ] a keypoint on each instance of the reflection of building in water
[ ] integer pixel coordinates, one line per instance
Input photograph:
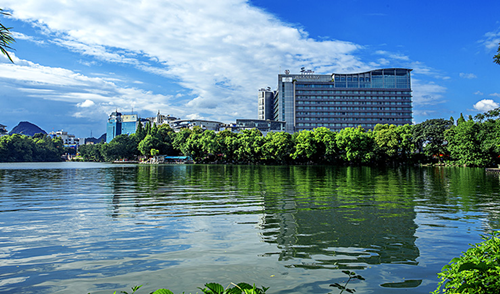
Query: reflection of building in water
(344, 229)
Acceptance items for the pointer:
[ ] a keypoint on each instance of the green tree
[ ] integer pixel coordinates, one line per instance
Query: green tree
(463, 144)
(393, 143)
(5, 38)
(324, 138)
(250, 146)
(429, 136)
(277, 147)
(496, 58)
(140, 132)
(461, 119)
(355, 145)
(149, 142)
(16, 148)
(121, 147)
(227, 142)
(406, 143)
(210, 144)
(306, 146)
(91, 152)
(489, 138)
(180, 139)
(47, 149)
(386, 141)
(165, 134)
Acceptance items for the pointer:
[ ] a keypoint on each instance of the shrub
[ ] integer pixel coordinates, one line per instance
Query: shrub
(476, 271)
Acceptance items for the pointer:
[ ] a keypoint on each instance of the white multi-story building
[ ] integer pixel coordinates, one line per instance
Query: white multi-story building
(68, 139)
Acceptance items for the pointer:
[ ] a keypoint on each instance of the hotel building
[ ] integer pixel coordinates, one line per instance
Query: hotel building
(306, 101)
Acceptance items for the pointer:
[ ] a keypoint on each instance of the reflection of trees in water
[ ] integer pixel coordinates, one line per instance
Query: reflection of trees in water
(331, 217)
(332, 214)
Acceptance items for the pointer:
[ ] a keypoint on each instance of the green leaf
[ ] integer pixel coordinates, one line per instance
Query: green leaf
(215, 288)
(470, 266)
(163, 291)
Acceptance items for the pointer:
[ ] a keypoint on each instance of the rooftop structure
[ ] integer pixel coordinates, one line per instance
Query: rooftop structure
(179, 124)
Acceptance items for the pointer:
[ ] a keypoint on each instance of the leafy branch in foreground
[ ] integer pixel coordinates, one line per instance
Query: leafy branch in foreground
(5, 38)
(352, 276)
(214, 288)
(476, 271)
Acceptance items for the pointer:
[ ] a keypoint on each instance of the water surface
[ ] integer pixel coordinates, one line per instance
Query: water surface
(89, 227)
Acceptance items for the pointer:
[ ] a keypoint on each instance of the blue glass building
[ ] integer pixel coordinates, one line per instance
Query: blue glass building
(121, 124)
(306, 101)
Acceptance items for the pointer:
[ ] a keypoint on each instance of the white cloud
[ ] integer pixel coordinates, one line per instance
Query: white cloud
(86, 103)
(491, 39)
(495, 94)
(221, 50)
(468, 75)
(485, 105)
(478, 93)
(391, 55)
(100, 95)
(427, 93)
(21, 36)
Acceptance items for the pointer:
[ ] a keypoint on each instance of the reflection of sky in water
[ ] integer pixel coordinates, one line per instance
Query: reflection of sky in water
(100, 227)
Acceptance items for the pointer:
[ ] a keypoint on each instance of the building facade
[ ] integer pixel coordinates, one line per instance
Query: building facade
(266, 104)
(306, 101)
(69, 140)
(120, 124)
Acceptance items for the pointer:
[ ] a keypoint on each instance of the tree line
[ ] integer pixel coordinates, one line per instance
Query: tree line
(39, 148)
(472, 142)
(466, 142)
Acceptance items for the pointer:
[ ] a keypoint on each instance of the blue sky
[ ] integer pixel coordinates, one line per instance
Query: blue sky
(77, 61)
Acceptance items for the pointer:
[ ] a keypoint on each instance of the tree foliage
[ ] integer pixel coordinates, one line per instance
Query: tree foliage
(496, 58)
(476, 271)
(470, 143)
(5, 38)
(21, 148)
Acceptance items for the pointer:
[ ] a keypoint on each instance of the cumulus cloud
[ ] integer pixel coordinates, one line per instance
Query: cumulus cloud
(92, 94)
(468, 75)
(86, 103)
(485, 105)
(221, 50)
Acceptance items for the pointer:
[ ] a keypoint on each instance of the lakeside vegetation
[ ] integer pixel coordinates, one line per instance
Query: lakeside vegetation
(464, 142)
(39, 148)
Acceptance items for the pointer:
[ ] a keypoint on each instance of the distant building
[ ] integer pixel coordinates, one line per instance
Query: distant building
(179, 124)
(264, 126)
(120, 124)
(266, 104)
(3, 130)
(68, 139)
(306, 101)
(160, 119)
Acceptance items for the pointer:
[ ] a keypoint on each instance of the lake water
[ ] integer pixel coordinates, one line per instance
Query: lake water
(100, 228)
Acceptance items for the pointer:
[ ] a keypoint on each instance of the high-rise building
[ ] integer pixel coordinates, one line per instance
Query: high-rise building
(121, 124)
(307, 100)
(266, 104)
